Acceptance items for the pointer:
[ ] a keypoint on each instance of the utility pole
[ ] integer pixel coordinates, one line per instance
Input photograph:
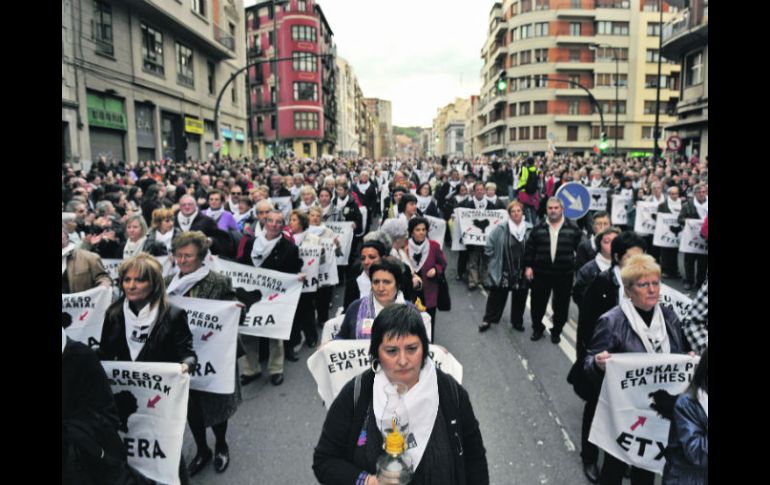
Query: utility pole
(657, 91)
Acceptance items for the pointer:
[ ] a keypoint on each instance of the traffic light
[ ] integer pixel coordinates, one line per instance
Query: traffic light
(502, 82)
(603, 142)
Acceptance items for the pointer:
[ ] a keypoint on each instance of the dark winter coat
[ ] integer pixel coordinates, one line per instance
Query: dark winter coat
(537, 254)
(687, 454)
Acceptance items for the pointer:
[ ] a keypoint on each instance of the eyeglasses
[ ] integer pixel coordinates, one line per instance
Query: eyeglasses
(644, 286)
(263, 212)
(185, 257)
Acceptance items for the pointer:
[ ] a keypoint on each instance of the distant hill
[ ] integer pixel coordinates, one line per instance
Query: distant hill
(410, 131)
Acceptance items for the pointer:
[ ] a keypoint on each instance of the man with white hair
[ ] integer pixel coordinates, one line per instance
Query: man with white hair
(189, 218)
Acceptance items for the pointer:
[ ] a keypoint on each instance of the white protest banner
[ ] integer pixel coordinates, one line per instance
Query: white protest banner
(283, 204)
(678, 301)
(111, 266)
(598, 198)
(437, 229)
(214, 326)
(364, 214)
(335, 363)
(327, 272)
(691, 241)
(331, 328)
(384, 192)
(475, 225)
(457, 236)
(311, 264)
(620, 209)
(270, 297)
(644, 225)
(151, 398)
(625, 425)
(82, 314)
(344, 230)
(667, 229)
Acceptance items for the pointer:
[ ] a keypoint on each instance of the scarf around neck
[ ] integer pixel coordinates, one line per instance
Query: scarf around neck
(491, 200)
(317, 230)
(421, 402)
(138, 327)
(517, 230)
(703, 209)
(368, 310)
(423, 202)
(654, 337)
(364, 187)
(180, 285)
(341, 203)
(132, 248)
(418, 253)
(165, 238)
(186, 221)
(603, 263)
(214, 214)
(595, 183)
(364, 284)
(480, 204)
(304, 207)
(262, 248)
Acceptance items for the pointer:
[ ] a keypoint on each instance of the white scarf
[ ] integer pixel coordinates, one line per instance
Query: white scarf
(326, 210)
(304, 207)
(657, 200)
(517, 230)
(138, 327)
(492, 200)
(378, 308)
(364, 187)
(317, 230)
(593, 244)
(239, 217)
(180, 285)
(461, 198)
(653, 336)
(165, 238)
(596, 183)
(65, 252)
(262, 249)
(480, 204)
(233, 207)
(423, 202)
(703, 209)
(214, 214)
(294, 192)
(341, 203)
(603, 263)
(132, 248)
(703, 399)
(675, 205)
(627, 192)
(619, 280)
(184, 221)
(364, 284)
(298, 238)
(421, 402)
(63, 340)
(420, 250)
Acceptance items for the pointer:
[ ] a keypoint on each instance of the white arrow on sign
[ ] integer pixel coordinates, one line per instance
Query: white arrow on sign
(574, 203)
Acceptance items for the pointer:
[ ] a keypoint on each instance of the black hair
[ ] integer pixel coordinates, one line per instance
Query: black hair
(416, 221)
(400, 188)
(598, 237)
(406, 198)
(700, 379)
(430, 191)
(398, 320)
(391, 267)
(625, 241)
(599, 214)
(376, 245)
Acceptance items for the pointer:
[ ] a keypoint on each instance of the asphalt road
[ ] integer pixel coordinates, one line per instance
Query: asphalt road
(529, 416)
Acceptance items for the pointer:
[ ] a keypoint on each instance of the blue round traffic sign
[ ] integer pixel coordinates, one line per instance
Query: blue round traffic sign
(576, 199)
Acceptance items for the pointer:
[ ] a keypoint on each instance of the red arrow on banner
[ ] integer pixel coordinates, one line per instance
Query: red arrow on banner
(639, 422)
(272, 297)
(83, 315)
(152, 402)
(311, 262)
(206, 337)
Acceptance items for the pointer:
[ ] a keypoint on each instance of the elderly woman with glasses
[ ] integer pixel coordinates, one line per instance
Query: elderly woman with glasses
(638, 324)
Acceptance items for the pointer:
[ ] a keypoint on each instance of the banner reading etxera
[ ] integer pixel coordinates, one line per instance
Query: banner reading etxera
(475, 225)
(151, 398)
(625, 425)
(437, 229)
(214, 326)
(270, 297)
(82, 314)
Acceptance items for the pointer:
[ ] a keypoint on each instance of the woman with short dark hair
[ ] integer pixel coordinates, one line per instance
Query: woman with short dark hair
(426, 259)
(447, 443)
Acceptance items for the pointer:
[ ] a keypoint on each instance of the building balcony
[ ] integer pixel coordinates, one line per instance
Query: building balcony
(253, 52)
(576, 39)
(570, 92)
(224, 37)
(498, 30)
(496, 147)
(499, 123)
(576, 118)
(575, 66)
(262, 106)
(575, 13)
(684, 33)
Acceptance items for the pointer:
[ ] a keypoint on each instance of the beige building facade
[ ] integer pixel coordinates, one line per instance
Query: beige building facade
(547, 49)
(381, 110)
(448, 129)
(140, 80)
(347, 131)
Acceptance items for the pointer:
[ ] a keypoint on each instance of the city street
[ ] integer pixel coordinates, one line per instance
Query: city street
(530, 417)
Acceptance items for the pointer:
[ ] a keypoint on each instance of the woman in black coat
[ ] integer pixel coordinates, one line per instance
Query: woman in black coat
(158, 329)
(447, 443)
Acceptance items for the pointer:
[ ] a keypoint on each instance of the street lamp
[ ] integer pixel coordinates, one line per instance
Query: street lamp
(617, 86)
(590, 97)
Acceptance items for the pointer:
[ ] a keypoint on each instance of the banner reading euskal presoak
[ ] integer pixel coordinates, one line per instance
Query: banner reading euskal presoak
(270, 297)
(151, 398)
(625, 425)
(214, 326)
(82, 314)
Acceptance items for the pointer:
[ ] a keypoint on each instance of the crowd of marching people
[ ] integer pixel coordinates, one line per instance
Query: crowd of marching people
(167, 220)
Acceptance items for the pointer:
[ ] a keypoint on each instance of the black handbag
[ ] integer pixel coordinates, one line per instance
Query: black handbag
(444, 302)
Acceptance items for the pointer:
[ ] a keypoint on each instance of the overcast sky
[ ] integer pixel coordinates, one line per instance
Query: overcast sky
(418, 54)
